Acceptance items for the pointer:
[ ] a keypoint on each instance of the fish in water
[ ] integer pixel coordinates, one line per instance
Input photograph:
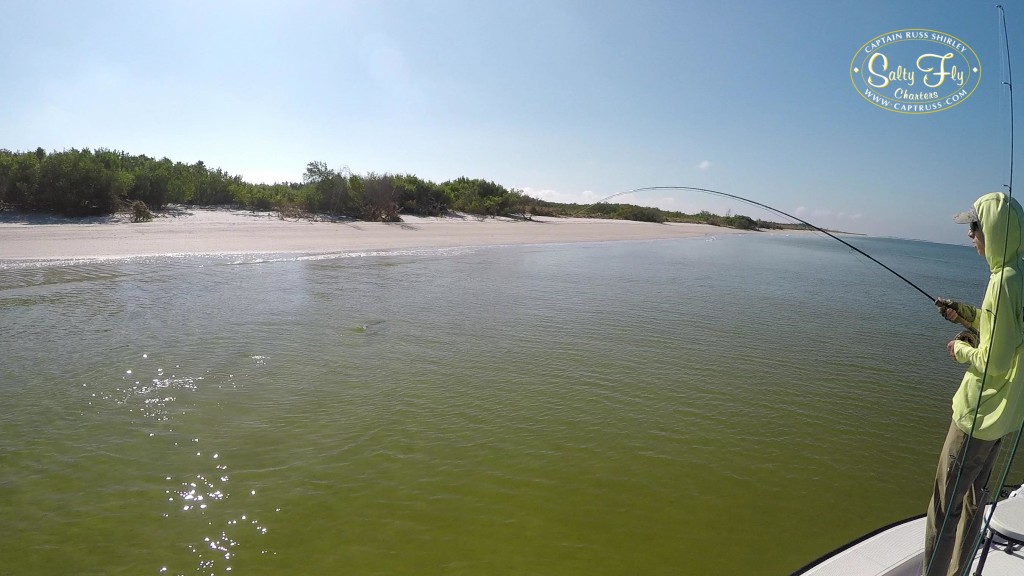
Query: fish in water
(364, 328)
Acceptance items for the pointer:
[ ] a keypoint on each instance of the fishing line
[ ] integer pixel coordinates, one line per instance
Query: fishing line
(980, 537)
(775, 210)
(987, 515)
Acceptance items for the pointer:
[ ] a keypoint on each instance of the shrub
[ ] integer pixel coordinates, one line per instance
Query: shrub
(140, 212)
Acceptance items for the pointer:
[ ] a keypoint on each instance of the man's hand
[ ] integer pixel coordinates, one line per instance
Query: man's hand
(955, 312)
(969, 337)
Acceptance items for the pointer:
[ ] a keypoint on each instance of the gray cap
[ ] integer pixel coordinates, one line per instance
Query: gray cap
(966, 217)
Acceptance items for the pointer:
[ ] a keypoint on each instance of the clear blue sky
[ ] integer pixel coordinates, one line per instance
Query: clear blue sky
(567, 100)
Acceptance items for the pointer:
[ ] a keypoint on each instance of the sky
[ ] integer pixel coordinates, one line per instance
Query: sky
(570, 101)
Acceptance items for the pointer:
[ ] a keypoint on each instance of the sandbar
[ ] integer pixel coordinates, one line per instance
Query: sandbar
(190, 230)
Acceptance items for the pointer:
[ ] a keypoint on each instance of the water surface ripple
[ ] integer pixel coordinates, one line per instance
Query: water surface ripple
(614, 408)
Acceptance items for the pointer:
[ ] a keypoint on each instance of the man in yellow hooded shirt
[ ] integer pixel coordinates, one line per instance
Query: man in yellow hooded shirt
(990, 401)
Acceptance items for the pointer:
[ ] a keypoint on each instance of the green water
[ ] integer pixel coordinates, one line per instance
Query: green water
(736, 406)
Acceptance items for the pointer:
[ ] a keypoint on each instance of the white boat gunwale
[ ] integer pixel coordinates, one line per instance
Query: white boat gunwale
(853, 543)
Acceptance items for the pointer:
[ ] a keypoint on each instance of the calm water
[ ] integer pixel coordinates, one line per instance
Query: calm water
(735, 406)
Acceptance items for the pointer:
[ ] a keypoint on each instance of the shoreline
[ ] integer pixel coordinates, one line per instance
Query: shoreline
(233, 231)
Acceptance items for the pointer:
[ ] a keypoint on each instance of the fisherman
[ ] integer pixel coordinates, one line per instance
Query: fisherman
(991, 347)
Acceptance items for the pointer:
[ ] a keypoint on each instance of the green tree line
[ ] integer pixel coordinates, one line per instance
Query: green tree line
(647, 214)
(101, 182)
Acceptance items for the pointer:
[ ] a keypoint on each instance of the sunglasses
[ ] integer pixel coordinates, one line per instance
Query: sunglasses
(975, 225)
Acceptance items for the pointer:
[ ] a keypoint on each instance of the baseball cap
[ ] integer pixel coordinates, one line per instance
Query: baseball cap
(966, 217)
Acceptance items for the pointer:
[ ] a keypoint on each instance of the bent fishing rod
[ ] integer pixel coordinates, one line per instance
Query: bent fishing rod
(775, 210)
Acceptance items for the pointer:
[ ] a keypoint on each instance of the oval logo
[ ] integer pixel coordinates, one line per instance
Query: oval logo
(915, 71)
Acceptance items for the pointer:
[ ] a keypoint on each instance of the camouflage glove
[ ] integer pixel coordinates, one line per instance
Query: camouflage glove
(964, 311)
(968, 336)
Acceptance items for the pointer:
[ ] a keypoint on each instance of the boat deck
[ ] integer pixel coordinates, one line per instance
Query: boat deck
(897, 550)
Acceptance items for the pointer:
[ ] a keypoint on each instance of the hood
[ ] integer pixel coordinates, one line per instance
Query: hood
(1001, 218)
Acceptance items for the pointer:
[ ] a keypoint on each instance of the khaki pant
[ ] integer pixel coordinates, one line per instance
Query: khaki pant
(959, 489)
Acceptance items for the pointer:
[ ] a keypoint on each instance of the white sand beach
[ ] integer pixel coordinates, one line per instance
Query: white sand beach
(194, 230)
